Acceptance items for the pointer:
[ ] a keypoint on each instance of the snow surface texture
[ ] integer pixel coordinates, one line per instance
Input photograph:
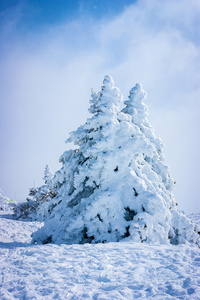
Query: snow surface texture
(115, 185)
(101, 271)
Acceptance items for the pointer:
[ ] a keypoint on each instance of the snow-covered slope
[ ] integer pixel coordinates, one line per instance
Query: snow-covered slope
(102, 271)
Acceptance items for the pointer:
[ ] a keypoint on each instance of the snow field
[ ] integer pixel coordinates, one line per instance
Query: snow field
(102, 271)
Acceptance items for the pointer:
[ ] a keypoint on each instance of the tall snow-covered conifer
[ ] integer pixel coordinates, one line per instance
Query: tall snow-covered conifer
(115, 185)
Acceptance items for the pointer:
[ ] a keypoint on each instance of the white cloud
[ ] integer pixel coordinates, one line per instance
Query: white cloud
(47, 77)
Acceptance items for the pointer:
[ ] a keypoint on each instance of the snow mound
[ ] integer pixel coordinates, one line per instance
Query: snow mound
(6, 204)
(196, 220)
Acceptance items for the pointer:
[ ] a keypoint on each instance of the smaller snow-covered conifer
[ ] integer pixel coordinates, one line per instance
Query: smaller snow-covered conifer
(47, 175)
(36, 206)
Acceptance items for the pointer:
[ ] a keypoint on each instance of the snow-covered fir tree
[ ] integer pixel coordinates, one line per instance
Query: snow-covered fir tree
(36, 206)
(115, 185)
(47, 175)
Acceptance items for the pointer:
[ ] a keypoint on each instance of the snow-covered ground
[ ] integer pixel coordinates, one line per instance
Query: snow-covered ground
(102, 271)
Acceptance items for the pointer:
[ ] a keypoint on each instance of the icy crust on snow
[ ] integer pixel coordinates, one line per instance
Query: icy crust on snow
(116, 184)
(109, 271)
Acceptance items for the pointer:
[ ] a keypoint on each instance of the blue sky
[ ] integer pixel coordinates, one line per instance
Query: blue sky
(34, 15)
(53, 52)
